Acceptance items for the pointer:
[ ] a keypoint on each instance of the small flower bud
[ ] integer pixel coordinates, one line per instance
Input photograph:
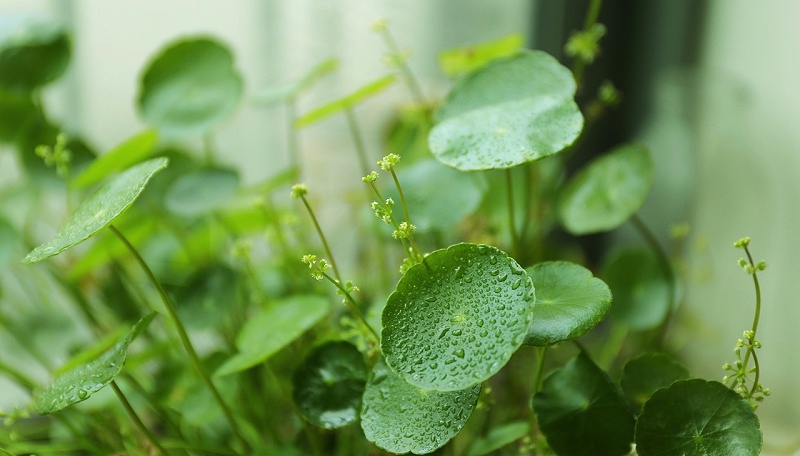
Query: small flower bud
(748, 334)
(757, 344)
(761, 265)
(299, 190)
(742, 262)
(370, 178)
(388, 162)
(742, 243)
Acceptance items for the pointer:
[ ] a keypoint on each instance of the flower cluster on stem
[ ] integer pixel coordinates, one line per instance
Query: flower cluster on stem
(744, 379)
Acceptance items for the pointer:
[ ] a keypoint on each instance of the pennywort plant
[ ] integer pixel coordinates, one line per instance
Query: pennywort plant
(470, 321)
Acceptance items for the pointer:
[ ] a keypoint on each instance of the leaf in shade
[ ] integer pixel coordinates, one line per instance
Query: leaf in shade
(201, 191)
(581, 412)
(646, 374)
(697, 417)
(33, 52)
(498, 437)
(274, 328)
(80, 382)
(400, 417)
(329, 384)
(569, 302)
(608, 191)
(641, 288)
(190, 87)
(99, 210)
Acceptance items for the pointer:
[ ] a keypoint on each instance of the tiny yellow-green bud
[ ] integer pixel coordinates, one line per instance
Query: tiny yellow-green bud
(388, 162)
(309, 260)
(761, 265)
(299, 190)
(742, 262)
(742, 243)
(370, 178)
(748, 334)
(381, 25)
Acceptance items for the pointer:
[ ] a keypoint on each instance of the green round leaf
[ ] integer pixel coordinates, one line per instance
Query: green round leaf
(33, 52)
(80, 382)
(190, 87)
(328, 386)
(607, 191)
(697, 417)
(569, 302)
(646, 374)
(510, 112)
(581, 412)
(401, 418)
(641, 288)
(438, 197)
(99, 210)
(455, 319)
(201, 191)
(274, 328)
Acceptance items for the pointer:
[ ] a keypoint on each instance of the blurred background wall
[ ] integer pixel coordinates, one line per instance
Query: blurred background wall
(711, 85)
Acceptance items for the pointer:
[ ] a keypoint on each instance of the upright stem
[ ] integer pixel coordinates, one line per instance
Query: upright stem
(541, 353)
(136, 420)
(512, 225)
(757, 315)
(411, 81)
(184, 337)
(352, 304)
(578, 65)
(322, 238)
(355, 132)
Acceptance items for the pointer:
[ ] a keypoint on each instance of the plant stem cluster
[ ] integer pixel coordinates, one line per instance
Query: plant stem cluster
(741, 374)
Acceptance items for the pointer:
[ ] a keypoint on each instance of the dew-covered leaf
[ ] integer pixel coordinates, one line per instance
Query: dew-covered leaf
(462, 60)
(646, 374)
(346, 102)
(438, 197)
(190, 87)
(641, 288)
(99, 210)
(510, 112)
(569, 302)
(132, 150)
(401, 418)
(288, 91)
(697, 417)
(455, 319)
(608, 191)
(273, 328)
(33, 52)
(201, 191)
(80, 382)
(499, 437)
(581, 412)
(329, 384)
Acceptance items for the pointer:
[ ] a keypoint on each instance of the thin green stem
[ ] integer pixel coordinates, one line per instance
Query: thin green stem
(512, 224)
(322, 238)
(405, 70)
(292, 142)
(757, 371)
(757, 315)
(352, 304)
(541, 353)
(414, 246)
(578, 64)
(358, 141)
(136, 420)
(381, 201)
(184, 337)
